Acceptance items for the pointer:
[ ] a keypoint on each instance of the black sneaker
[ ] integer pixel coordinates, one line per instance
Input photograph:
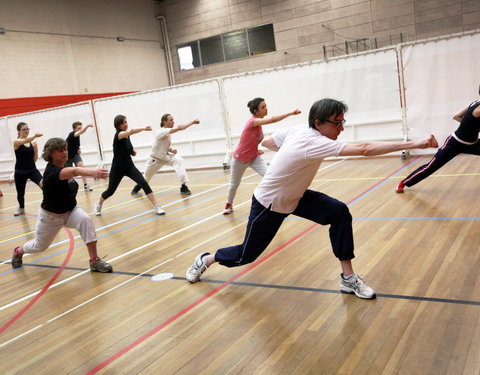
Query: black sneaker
(184, 190)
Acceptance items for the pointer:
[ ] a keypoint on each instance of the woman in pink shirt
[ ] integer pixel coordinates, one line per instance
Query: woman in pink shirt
(247, 153)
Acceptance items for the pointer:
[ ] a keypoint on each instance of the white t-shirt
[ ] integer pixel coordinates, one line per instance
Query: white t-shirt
(294, 166)
(161, 144)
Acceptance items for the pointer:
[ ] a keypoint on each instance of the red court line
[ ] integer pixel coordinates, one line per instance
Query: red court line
(45, 288)
(222, 286)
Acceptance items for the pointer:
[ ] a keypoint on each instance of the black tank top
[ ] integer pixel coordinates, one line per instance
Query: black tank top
(470, 125)
(122, 149)
(24, 156)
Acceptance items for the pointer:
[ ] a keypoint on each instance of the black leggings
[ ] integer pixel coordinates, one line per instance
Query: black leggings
(21, 179)
(447, 152)
(116, 175)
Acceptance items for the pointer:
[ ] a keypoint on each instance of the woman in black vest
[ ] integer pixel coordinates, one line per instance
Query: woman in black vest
(26, 154)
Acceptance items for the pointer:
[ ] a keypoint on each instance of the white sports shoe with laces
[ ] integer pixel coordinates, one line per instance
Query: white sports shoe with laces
(197, 268)
(355, 284)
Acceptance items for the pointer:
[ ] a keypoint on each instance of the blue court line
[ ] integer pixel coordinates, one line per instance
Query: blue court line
(286, 287)
(383, 182)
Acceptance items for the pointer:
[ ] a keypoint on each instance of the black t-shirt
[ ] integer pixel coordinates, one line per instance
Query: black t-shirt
(58, 195)
(73, 144)
(24, 156)
(470, 125)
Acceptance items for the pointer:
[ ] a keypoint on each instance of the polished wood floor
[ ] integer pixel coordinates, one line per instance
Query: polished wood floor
(281, 315)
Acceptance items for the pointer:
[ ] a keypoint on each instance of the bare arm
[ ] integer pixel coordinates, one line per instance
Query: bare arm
(459, 115)
(273, 119)
(70, 172)
(269, 143)
(128, 133)
(82, 130)
(184, 126)
(21, 141)
(35, 151)
(380, 148)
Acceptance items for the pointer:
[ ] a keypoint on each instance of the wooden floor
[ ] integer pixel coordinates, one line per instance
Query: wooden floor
(281, 315)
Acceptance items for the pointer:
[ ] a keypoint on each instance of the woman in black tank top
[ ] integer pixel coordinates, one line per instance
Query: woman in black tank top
(122, 165)
(26, 153)
(464, 140)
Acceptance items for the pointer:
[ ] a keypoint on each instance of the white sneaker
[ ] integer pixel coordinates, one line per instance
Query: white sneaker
(159, 210)
(87, 188)
(97, 209)
(355, 284)
(20, 211)
(197, 268)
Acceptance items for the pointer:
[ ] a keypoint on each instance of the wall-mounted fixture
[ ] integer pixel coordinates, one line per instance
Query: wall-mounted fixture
(2, 30)
(120, 38)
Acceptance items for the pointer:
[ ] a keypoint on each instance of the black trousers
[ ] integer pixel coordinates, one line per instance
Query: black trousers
(263, 224)
(118, 172)
(21, 178)
(447, 152)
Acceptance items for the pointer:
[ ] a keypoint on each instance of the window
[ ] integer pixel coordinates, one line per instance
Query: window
(230, 46)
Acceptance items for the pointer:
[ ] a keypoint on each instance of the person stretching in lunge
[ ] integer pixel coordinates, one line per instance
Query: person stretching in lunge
(59, 207)
(73, 141)
(162, 154)
(284, 191)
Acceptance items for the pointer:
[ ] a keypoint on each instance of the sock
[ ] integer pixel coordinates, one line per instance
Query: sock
(347, 277)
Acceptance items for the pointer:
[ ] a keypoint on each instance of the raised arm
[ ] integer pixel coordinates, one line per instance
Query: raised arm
(82, 130)
(184, 126)
(128, 133)
(273, 119)
(21, 141)
(380, 148)
(70, 172)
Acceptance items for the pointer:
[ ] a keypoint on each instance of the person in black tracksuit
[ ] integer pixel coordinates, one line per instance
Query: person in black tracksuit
(26, 154)
(464, 140)
(73, 141)
(122, 165)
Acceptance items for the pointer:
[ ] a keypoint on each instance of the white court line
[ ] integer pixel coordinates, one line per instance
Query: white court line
(135, 277)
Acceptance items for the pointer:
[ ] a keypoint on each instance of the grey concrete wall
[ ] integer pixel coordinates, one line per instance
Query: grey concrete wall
(303, 27)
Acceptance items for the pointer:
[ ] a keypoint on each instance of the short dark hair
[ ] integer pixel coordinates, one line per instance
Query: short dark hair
(164, 118)
(322, 109)
(253, 104)
(118, 120)
(53, 144)
(75, 124)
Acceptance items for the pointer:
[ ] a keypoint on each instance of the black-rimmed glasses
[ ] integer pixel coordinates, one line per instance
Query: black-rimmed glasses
(337, 123)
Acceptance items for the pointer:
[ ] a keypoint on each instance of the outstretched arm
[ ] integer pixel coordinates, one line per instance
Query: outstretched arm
(273, 119)
(129, 132)
(459, 115)
(380, 148)
(70, 172)
(184, 126)
(21, 141)
(82, 130)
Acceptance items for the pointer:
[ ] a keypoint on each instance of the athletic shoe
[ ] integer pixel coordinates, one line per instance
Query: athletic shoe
(20, 211)
(17, 261)
(135, 193)
(184, 190)
(159, 210)
(197, 268)
(355, 284)
(87, 187)
(97, 210)
(99, 265)
(400, 187)
(228, 209)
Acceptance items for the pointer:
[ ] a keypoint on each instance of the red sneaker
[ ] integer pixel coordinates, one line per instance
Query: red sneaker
(400, 187)
(228, 209)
